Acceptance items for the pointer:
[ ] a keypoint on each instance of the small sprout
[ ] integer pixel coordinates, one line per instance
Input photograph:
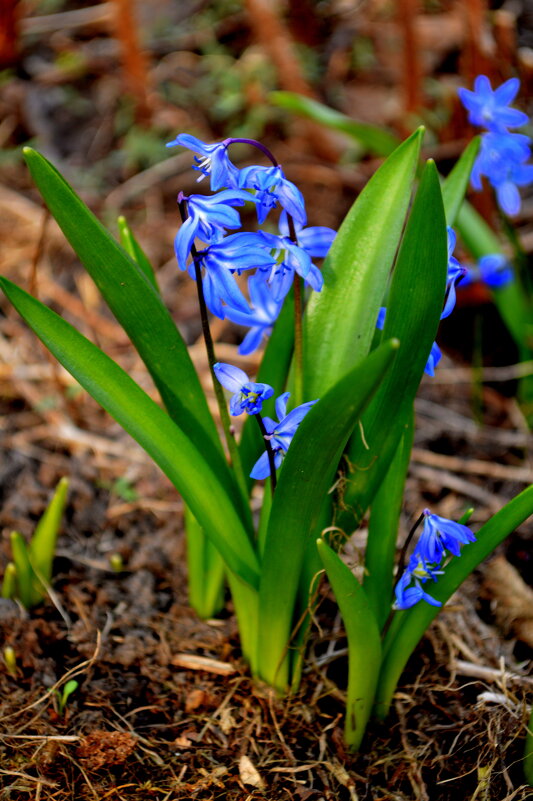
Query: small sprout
(116, 563)
(10, 660)
(9, 582)
(62, 697)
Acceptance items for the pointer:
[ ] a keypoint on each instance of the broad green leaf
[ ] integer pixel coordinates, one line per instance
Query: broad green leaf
(414, 307)
(180, 459)
(400, 643)
(139, 309)
(364, 644)
(340, 320)
(374, 139)
(383, 529)
(305, 478)
(135, 252)
(43, 543)
(456, 183)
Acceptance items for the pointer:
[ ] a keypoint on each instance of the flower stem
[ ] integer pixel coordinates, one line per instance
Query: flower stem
(235, 458)
(298, 330)
(270, 452)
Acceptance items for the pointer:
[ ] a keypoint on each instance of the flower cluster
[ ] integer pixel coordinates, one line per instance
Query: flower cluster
(455, 274)
(493, 270)
(440, 538)
(503, 155)
(248, 397)
(271, 259)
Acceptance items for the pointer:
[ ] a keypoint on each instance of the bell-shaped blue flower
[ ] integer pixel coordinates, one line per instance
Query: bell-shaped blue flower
(280, 433)
(501, 160)
(408, 595)
(212, 160)
(455, 274)
(440, 535)
(260, 318)
(489, 108)
(248, 395)
(271, 187)
(221, 261)
(209, 217)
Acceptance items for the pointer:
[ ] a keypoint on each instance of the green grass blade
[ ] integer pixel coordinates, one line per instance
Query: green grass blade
(364, 644)
(415, 621)
(138, 308)
(414, 307)
(456, 183)
(146, 422)
(305, 478)
(43, 543)
(9, 582)
(339, 321)
(25, 575)
(374, 139)
(135, 251)
(205, 583)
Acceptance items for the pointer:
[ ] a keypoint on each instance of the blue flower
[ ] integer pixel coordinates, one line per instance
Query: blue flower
(455, 274)
(271, 187)
(408, 596)
(501, 160)
(489, 108)
(220, 261)
(260, 318)
(494, 270)
(213, 161)
(280, 434)
(249, 396)
(440, 535)
(209, 217)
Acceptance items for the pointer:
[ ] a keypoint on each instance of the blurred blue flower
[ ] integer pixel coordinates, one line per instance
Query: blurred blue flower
(501, 160)
(249, 396)
(440, 535)
(271, 187)
(260, 318)
(493, 270)
(220, 261)
(213, 161)
(280, 433)
(489, 108)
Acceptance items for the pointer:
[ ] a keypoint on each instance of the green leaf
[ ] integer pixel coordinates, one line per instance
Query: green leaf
(42, 546)
(205, 570)
(9, 582)
(374, 138)
(24, 572)
(138, 308)
(180, 459)
(340, 320)
(135, 252)
(364, 644)
(383, 529)
(414, 307)
(306, 476)
(403, 639)
(456, 183)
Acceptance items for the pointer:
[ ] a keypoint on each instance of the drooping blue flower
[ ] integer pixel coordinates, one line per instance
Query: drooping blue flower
(489, 108)
(494, 270)
(408, 596)
(271, 187)
(291, 258)
(280, 433)
(260, 318)
(221, 260)
(212, 160)
(435, 353)
(209, 217)
(501, 160)
(249, 395)
(440, 535)
(455, 274)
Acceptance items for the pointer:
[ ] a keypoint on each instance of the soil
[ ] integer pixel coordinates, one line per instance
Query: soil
(165, 707)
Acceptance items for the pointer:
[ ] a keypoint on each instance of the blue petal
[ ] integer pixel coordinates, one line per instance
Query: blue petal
(231, 377)
(261, 468)
(281, 405)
